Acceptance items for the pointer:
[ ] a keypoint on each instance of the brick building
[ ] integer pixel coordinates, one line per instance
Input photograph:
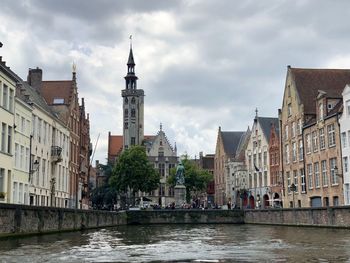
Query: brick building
(310, 146)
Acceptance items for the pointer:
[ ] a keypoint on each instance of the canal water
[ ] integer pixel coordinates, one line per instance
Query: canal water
(183, 243)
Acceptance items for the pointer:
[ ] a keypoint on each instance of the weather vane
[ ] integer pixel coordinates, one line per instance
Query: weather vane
(130, 37)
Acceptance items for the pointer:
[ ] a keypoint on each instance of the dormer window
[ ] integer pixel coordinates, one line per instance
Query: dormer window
(320, 111)
(58, 101)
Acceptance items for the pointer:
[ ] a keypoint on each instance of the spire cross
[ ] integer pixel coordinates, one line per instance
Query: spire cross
(256, 112)
(130, 37)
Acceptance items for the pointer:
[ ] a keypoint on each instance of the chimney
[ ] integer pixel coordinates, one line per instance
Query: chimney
(35, 79)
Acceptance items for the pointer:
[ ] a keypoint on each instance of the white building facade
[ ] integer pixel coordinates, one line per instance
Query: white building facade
(7, 102)
(21, 160)
(257, 162)
(49, 159)
(344, 122)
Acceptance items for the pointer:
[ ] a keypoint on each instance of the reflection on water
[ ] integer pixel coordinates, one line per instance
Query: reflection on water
(183, 243)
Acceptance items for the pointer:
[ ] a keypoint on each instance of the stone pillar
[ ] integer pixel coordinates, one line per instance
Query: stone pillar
(180, 195)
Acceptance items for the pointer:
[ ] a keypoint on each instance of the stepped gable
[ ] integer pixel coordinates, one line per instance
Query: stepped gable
(309, 81)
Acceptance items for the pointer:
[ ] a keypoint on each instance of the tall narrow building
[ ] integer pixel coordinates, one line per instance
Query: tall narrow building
(133, 101)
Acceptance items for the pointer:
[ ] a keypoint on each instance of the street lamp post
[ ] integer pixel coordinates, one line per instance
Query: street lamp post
(293, 188)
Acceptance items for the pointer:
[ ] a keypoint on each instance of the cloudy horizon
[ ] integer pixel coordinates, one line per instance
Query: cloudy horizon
(202, 64)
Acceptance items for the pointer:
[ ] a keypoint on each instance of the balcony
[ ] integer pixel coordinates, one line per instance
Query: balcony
(56, 154)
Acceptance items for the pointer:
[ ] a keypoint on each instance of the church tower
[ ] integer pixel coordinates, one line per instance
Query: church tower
(133, 100)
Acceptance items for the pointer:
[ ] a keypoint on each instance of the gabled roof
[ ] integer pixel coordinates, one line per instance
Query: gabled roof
(115, 145)
(265, 124)
(231, 141)
(309, 81)
(62, 89)
(240, 152)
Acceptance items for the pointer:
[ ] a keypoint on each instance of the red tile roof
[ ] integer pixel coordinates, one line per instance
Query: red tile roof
(115, 145)
(62, 89)
(309, 81)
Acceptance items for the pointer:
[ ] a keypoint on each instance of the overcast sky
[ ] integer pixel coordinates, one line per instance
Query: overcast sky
(202, 64)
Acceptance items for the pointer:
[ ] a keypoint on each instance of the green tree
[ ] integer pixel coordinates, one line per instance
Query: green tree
(105, 196)
(133, 172)
(196, 179)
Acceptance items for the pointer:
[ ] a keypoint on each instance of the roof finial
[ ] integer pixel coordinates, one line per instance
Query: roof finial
(160, 127)
(256, 112)
(130, 37)
(74, 67)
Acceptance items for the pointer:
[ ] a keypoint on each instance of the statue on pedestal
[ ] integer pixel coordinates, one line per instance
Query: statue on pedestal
(180, 174)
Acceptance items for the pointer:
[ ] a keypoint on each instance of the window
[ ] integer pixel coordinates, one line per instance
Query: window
(288, 181)
(320, 111)
(5, 97)
(331, 135)
(314, 141)
(161, 168)
(11, 100)
(16, 155)
(39, 129)
(9, 140)
(3, 137)
(308, 143)
(2, 179)
(265, 178)
(286, 132)
(322, 139)
(289, 109)
(23, 125)
(126, 125)
(343, 139)
(296, 183)
(293, 129)
(294, 152)
(15, 192)
(265, 158)
(302, 177)
(287, 153)
(43, 167)
(300, 127)
(132, 140)
(345, 164)
(347, 108)
(259, 156)
(301, 150)
(260, 179)
(21, 158)
(133, 100)
(324, 173)
(310, 176)
(317, 174)
(332, 164)
(58, 101)
(126, 113)
(27, 159)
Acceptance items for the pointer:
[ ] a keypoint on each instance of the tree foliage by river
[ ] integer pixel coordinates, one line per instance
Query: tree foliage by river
(133, 172)
(196, 179)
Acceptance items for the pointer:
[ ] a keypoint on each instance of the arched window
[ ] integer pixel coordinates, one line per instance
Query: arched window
(126, 112)
(133, 100)
(126, 100)
(133, 113)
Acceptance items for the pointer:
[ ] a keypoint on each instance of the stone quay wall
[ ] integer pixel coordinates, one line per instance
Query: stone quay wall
(338, 217)
(183, 216)
(26, 220)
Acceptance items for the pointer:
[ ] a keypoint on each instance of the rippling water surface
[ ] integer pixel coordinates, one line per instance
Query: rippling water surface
(183, 243)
